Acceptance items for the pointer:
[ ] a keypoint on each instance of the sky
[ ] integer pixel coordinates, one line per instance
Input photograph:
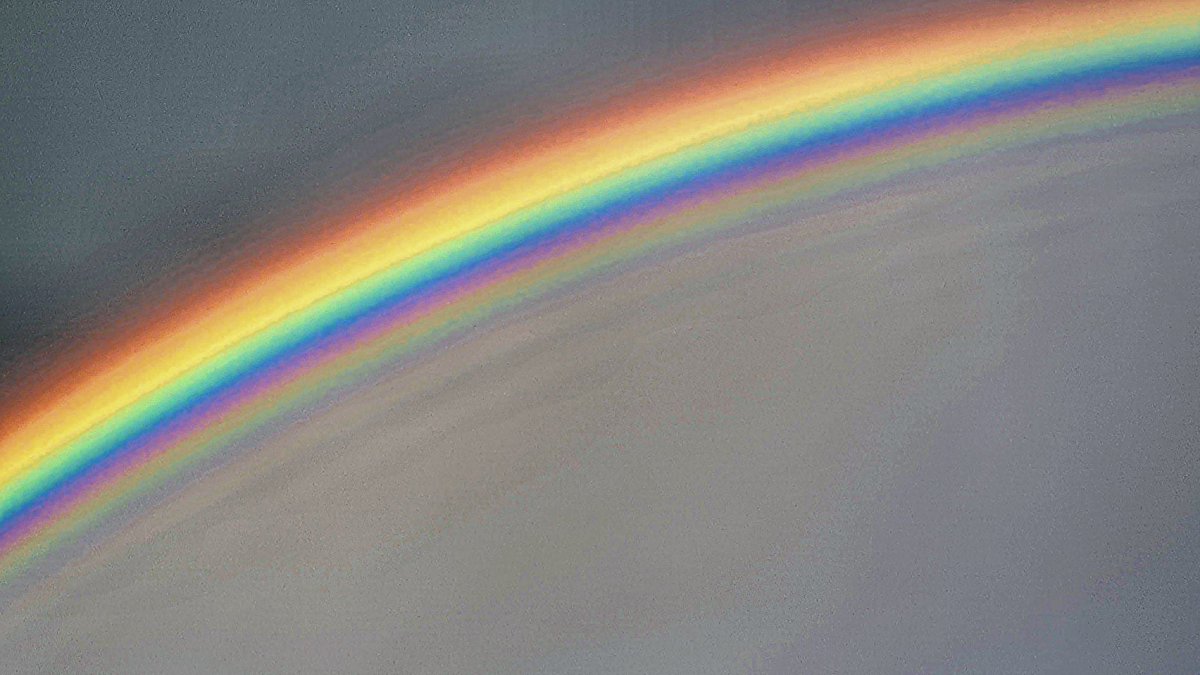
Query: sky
(944, 423)
(151, 136)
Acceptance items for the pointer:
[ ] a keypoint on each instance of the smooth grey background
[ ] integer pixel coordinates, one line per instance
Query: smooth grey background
(948, 424)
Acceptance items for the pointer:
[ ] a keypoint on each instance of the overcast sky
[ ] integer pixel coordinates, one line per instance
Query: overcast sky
(959, 434)
(139, 136)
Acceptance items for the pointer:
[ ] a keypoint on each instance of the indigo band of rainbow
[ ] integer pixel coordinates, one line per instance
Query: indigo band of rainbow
(658, 173)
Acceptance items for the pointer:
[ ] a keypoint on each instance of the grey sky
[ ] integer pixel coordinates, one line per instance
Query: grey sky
(944, 424)
(140, 137)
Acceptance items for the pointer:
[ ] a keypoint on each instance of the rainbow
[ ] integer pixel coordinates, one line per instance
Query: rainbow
(658, 170)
